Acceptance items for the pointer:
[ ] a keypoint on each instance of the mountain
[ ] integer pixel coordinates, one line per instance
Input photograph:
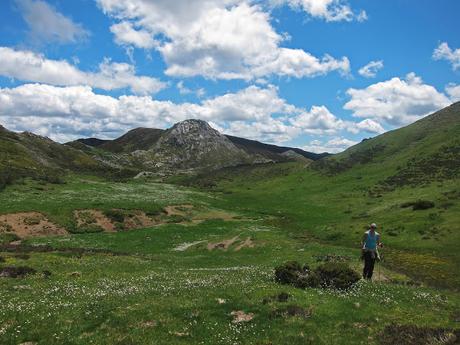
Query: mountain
(191, 144)
(28, 154)
(135, 139)
(271, 151)
(424, 151)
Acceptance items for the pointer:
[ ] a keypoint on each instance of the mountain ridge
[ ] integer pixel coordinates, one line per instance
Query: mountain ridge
(142, 138)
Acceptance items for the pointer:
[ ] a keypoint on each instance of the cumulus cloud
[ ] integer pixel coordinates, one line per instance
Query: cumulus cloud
(396, 101)
(370, 70)
(217, 39)
(125, 34)
(369, 126)
(47, 25)
(444, 52)
(65, 113)
(318, 120)
(333, 145)
(30, 66)
(329, 10)
(453, 91)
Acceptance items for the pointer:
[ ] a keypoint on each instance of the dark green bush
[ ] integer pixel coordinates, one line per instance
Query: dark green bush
(16, 272)
(336, 275)
(7, 238)
(116, 216)
(422, 205)
(418, 205)
(288, 273)
(328, 275)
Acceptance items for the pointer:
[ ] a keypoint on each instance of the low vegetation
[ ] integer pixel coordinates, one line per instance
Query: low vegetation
(328, 275)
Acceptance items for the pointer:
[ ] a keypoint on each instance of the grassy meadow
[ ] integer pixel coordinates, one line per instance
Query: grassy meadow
(186, 282)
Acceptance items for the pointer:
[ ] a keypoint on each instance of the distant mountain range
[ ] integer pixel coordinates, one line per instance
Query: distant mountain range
(188, 146)
(426, 150)
(145, 138)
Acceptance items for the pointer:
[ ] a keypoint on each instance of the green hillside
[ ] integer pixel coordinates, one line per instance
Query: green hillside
(29, 155)
(203, 273)
(378, 180)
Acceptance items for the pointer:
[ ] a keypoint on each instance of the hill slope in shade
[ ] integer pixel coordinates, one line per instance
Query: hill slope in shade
(271, 151)
(28, 154)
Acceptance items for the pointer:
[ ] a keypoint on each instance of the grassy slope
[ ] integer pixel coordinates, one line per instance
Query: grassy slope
(154, 295)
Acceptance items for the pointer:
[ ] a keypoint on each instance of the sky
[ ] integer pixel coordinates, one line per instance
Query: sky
(317, 74)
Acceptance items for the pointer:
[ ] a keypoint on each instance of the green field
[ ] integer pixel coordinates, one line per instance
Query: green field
(163, 285)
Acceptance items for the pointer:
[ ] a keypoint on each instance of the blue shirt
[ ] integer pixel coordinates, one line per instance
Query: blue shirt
(371, 241)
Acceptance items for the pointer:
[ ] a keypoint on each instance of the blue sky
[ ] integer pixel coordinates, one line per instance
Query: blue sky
(317, 74)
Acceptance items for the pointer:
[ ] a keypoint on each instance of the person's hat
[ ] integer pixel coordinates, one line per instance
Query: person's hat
(373, 225)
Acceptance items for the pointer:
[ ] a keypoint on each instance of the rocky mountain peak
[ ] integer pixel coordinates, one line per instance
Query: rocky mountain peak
(194, 144)
(192, 125)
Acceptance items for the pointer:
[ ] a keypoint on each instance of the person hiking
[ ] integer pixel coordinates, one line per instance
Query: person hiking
(370, 242)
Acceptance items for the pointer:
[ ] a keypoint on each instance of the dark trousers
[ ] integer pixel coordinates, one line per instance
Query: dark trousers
(369, 261)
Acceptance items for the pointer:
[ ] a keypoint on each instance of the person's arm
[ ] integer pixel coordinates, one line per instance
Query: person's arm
(363, 241)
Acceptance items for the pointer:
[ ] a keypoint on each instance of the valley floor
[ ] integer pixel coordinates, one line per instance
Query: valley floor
(202, 272)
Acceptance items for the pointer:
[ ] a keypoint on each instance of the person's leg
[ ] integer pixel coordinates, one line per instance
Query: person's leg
(367, 259)
(371, 267)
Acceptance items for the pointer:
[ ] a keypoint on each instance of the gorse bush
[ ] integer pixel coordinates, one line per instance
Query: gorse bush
(328, 275)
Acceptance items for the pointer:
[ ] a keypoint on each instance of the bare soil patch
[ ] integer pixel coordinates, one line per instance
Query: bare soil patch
(178, 210)
(129, 220)
(240, 316)
(187, 214)
(29, 224)
(222, 245)
(87, 218)
(247, 243)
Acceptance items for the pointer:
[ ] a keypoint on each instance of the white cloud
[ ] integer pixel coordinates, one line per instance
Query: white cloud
(329, 10)
(64, 113)
(369, 126)
(334, 145)
(270, 131)
(396, 101)
(370, 70)
(453, 91)
(318, 120)
(47, 25)
(217, 39)
(444, 52)
(125, 34)
(30, 66)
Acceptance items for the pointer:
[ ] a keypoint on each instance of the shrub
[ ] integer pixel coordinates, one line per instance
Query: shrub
(16, 272)
(288, 273)
(336, 275)
(116, 216)
(176, 218)
(35, 220)
(88, 228)
(7, 238)
(328, 275)
(422, 205)
(418, 205)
